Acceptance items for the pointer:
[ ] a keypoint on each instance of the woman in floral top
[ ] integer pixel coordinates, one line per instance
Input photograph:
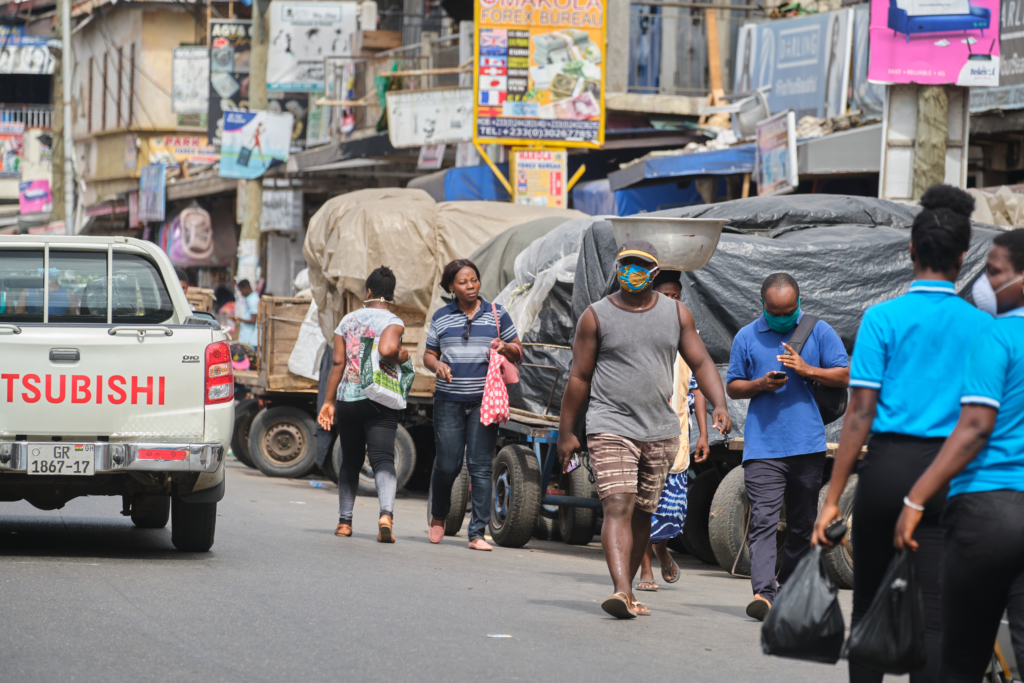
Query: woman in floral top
(366, 428)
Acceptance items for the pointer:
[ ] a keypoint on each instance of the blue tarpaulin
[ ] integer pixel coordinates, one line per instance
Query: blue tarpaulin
(474, 183)
(597, 198)
(735, 159)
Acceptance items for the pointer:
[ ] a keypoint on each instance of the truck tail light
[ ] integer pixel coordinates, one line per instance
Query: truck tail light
(220, 380)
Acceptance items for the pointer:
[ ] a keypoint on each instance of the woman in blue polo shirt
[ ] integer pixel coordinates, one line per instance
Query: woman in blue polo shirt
(458, 350)
(983, 562)
(906, 374)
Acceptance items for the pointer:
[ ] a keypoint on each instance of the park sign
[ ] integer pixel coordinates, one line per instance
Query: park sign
(539, 72)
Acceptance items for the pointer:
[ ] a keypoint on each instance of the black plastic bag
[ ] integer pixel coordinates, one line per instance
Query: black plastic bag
(805, 622)
(890, 637)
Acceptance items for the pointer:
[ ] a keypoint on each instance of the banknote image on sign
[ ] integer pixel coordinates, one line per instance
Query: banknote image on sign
(540, 72)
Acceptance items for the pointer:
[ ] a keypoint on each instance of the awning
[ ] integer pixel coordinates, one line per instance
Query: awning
(850, 152)
(735, 159)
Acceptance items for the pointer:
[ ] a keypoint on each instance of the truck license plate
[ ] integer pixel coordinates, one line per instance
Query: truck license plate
(61, 458)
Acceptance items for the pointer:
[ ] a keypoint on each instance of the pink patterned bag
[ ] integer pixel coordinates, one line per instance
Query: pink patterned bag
(494, 407)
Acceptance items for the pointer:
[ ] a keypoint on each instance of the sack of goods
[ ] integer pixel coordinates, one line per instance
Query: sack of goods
(890, 637)
(805, 622)
(381, 381)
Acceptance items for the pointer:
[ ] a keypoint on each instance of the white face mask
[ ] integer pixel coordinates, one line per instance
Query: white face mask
(985, 297)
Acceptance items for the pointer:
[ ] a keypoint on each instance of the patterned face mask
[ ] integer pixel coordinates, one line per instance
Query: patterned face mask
(634, 278)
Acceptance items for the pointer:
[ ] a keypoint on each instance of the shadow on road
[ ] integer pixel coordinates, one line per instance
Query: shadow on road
(83, 537)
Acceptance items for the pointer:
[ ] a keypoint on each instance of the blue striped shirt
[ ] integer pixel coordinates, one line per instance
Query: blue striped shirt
(468, 358)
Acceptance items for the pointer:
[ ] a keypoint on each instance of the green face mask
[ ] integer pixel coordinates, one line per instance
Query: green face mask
(781, 323)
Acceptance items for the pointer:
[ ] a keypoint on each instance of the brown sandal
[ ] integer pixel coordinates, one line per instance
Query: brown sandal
(617, 605)
(343, 530)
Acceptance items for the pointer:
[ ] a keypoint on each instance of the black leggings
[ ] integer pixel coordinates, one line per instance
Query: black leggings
(889, 470)
(366, 430)
(983, 565)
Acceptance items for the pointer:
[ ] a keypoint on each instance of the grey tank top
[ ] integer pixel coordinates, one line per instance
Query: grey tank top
(631, 389)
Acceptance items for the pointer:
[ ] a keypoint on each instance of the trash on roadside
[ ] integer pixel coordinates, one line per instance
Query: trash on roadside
(319, 484)
(890, 637)
(806, 622)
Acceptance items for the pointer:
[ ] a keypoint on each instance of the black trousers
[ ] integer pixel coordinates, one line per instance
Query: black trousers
(367, 432)
(888, 472)
(797, 480)
(983, 565)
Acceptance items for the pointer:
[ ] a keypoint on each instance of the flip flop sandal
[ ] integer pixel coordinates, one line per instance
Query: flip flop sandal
(675, 577)
(647, 586)
(641, 609)
(617, 605)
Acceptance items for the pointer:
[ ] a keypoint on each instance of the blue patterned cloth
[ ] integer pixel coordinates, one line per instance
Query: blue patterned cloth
(667, 522)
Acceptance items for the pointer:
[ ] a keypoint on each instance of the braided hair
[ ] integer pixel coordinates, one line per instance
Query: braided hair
(941, 233)
(382, 283)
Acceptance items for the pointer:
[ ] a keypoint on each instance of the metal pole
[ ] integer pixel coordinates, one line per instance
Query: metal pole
(69, 143)
(248, 245)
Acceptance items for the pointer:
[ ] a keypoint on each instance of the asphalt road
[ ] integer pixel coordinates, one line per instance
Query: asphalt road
(85, 596)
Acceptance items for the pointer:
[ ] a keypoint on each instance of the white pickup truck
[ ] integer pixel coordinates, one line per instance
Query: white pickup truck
(110, 384)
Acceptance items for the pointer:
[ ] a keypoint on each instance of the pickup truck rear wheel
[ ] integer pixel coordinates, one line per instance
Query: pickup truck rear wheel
(282, 442)
(151, 512)
(193, 525)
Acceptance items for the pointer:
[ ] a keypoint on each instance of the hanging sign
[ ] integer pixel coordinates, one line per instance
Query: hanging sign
(539, 72)
(190, 76)
(539, 177)
(302, 34)
(173, 150)
(253, 142)
(152, 193)
(775, 155)
(11, 149)
(935, 42)
(429, 117)
(230, 40)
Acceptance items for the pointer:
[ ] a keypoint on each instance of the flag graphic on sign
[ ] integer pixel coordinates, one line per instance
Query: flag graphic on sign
(494, 83)
(492, 97)
(79, 448)
(500, 62)
(494, 42)
(493, 71)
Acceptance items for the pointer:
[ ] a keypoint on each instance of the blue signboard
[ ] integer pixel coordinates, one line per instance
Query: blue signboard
(805, 60)
(152, 193)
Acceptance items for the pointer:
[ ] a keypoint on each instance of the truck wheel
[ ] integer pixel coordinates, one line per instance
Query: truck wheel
(193, 525)
(245, 411)
(151, 512)
(698, 510)
(728, 519)
(546, 528)
(282, 442)
(460, 499)
(578, 525)
(840, 558)
(405, 463)
(515, 496)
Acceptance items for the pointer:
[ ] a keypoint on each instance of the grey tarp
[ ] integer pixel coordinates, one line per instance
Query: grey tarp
(846, 253)
(496, 258)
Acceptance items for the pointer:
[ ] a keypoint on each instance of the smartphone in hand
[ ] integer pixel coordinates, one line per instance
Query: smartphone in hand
(776, 374)
(574, 462)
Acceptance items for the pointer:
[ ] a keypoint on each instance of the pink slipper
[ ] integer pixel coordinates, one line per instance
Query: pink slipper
(436, 531)
(479, 544)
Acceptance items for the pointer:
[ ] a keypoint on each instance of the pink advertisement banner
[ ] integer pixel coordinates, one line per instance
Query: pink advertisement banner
(34, 196)
(935, 42)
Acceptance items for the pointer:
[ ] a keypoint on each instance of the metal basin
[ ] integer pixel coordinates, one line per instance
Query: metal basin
(682, 243)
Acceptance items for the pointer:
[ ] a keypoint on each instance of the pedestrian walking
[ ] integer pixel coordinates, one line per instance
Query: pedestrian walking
(623, 357)
(906, 374)
(458, 349)
(668, 520)
(365, 428)
(784, 436)
(247, 314)
(983, 557)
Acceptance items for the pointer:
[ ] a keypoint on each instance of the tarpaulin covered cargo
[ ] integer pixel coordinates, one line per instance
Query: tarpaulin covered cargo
(406, 230)
(846, 253)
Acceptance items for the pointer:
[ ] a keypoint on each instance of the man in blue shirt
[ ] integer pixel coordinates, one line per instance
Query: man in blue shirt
(784, 437)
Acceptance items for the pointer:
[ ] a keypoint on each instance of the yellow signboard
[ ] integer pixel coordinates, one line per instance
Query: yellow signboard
(539, 72)
(539, 177)
(172, 150)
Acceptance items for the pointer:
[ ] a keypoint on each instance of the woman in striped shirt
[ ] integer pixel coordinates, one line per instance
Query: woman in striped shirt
(458, 350)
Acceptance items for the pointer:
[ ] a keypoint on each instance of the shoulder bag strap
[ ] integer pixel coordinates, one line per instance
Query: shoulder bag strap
(802, 332)
(497, 325)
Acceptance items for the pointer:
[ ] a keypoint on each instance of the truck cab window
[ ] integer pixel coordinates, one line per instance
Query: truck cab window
(77, 288)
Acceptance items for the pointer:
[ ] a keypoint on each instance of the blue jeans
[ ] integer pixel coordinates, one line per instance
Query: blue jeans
(457, 429)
